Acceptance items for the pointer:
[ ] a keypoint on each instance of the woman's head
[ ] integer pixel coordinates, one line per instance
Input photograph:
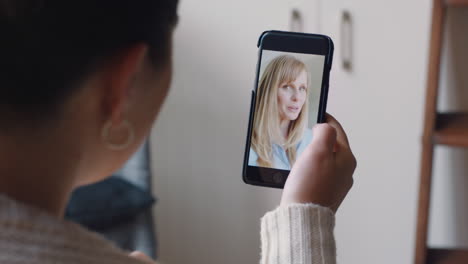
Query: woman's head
(50, 47)
(292, 95)
(89, 73)
(281, 96)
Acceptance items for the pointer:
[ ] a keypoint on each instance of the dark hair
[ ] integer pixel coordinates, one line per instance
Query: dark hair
(48, 46)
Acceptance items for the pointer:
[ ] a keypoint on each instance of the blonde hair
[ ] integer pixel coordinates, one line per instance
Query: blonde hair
(266, 126)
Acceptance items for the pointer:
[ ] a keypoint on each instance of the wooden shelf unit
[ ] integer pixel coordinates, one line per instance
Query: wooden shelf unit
(447, 256)
(449, 129)
(456, 2)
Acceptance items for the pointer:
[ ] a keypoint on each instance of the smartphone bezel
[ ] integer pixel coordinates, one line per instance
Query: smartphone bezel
(286, 42)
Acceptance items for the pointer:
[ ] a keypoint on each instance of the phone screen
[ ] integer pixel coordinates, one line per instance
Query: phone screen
(286, 107)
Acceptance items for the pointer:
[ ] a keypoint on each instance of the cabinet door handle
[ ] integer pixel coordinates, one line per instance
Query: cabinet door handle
(347, 40)
(297, 21)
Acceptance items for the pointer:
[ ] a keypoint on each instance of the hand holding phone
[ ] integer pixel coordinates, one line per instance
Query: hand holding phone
(323, 174)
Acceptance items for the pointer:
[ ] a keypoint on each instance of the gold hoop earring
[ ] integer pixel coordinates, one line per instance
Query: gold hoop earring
(106, 133)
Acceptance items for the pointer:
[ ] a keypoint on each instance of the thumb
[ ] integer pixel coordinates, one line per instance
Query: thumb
(323, 138)
(141, 256)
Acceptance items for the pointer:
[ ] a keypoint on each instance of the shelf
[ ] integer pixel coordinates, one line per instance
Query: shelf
(456, 2)
(452, 129)
(447, 256)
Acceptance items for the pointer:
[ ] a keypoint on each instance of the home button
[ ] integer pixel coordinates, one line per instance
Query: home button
(278, 177)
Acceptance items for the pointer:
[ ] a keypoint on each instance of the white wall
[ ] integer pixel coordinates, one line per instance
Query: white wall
(206, 214)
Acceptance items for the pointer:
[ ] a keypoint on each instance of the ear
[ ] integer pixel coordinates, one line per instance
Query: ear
(119, 78)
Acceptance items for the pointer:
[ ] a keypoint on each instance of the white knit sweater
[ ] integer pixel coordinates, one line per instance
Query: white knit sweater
(299, 234)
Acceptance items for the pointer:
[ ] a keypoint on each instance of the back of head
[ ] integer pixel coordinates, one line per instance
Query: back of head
(48, 47)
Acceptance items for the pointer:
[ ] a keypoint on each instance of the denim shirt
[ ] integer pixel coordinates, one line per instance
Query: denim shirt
(280, 157)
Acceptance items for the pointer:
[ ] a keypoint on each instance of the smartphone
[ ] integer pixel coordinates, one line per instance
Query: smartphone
(289, 98)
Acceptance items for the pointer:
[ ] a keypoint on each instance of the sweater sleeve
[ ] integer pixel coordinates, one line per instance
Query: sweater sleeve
(298, 234)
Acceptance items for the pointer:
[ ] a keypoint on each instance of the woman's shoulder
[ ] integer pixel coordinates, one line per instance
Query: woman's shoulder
(305, 141)
(253, 157)
(307, 137)
(33, 236)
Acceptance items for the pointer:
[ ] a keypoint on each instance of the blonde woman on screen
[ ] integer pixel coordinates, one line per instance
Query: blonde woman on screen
(280, 131)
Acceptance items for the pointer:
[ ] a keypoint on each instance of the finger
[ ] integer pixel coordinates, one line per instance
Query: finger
(345, 157)
(324, 138)
(342, 138)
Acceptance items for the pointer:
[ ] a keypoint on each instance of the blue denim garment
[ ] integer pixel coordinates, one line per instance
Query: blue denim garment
(280, 158)
(120, 206)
